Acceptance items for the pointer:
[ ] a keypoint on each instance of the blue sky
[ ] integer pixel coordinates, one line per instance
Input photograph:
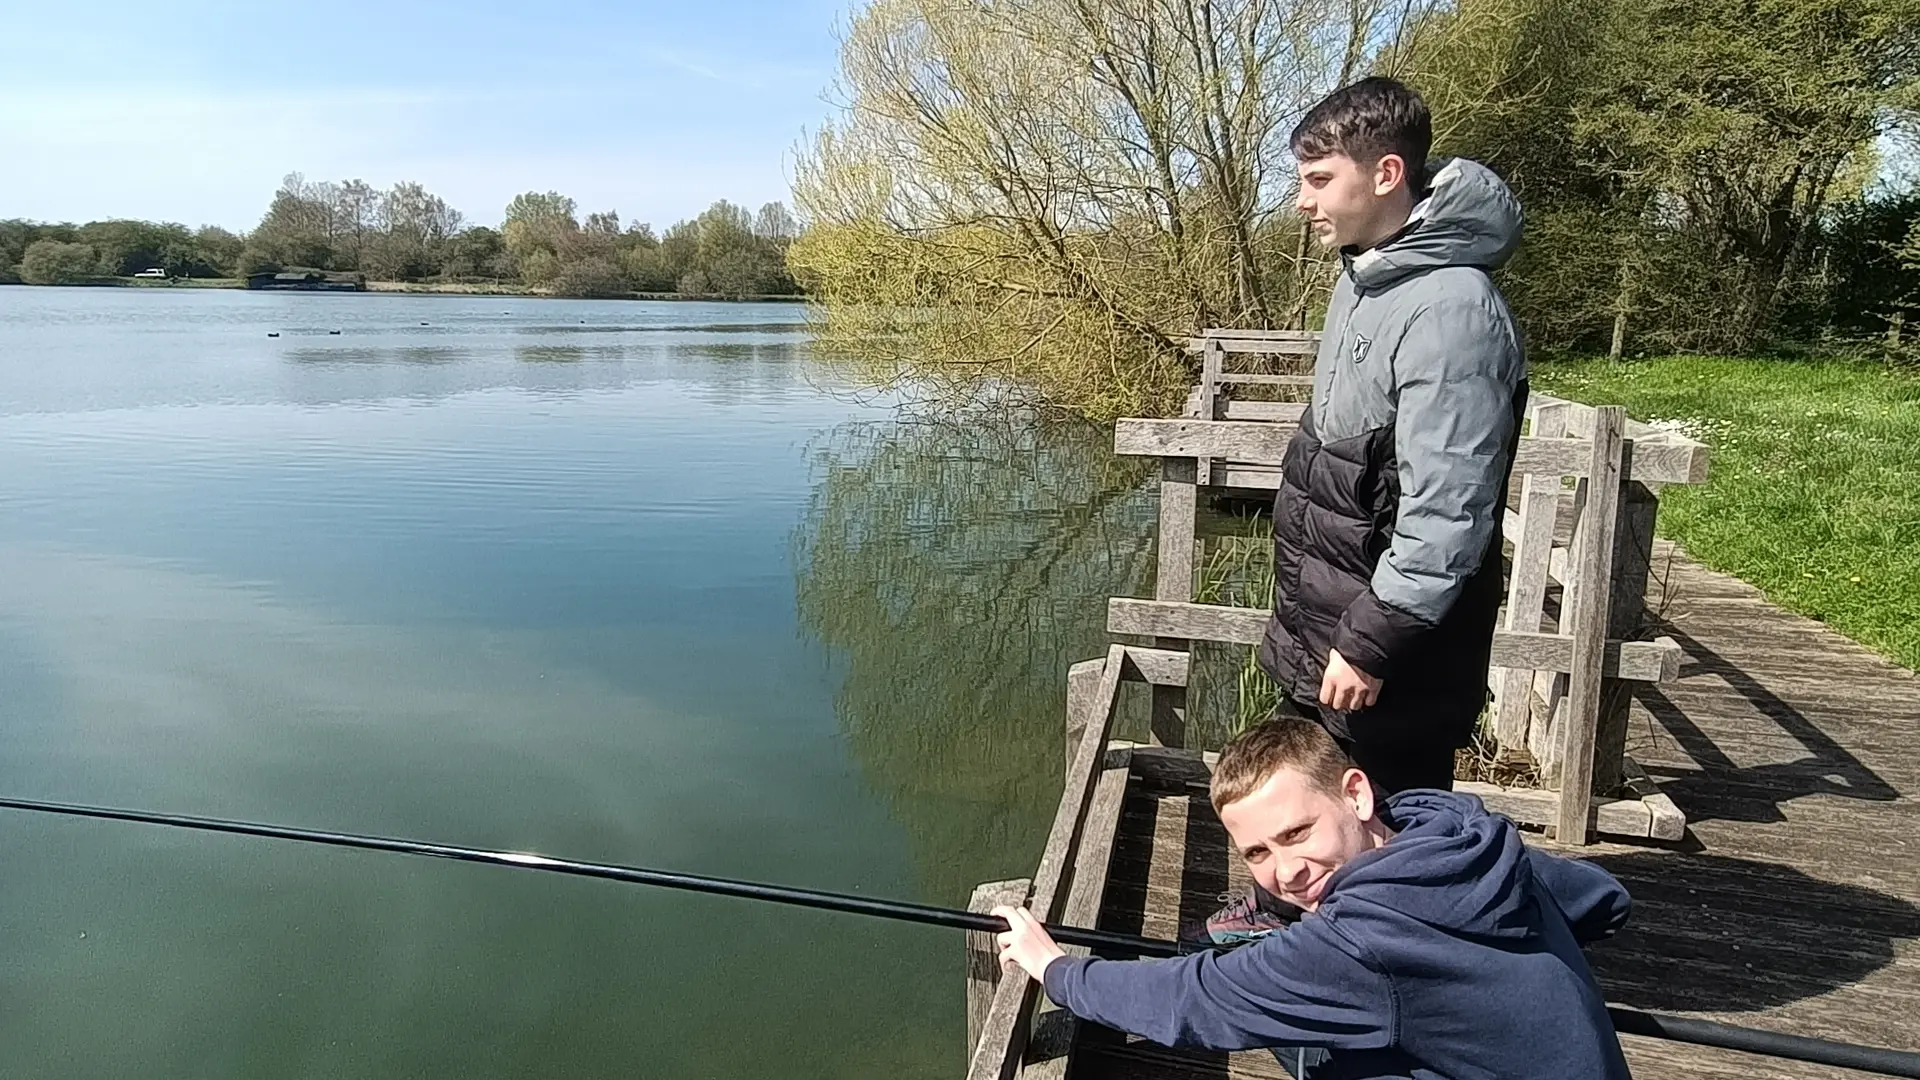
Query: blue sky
(193, 112)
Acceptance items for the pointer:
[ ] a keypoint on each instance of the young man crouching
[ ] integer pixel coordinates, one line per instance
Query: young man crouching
(1435, 944)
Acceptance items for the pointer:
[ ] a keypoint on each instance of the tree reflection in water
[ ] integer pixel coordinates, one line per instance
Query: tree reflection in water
(955, 568)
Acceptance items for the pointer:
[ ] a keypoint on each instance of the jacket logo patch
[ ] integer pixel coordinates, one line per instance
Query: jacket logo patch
(1360, 346)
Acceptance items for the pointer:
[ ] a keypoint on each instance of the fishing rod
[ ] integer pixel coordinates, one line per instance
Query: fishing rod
(1625, 1021)
(899, 910)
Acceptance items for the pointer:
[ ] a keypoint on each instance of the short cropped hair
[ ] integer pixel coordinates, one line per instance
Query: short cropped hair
(1366, 121)
(1281, 741)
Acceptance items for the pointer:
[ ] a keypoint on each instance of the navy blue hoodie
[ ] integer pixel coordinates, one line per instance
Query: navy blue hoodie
(1451, 952)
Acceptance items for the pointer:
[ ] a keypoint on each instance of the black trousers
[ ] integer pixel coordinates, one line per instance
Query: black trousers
(1391, 768)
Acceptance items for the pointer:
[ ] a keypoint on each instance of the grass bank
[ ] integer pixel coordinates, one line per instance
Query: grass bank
(1814, 492)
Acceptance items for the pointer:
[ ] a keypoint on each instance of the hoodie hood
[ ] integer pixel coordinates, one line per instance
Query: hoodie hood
(1452, 865)
(1469, 217)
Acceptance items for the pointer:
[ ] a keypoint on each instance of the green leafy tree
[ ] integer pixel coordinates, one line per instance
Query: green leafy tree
(594, 275)
(217, 251)
(412, 228)
(539, 267)
(1055, 194)
(477, 252)
(356, 207)
(1865, 284)
(1906, 305)
(540, 232)
(775, 224)
(52, 262)
(638, 252)
(1741, 117)
(726, 253)
(297, 229)
(398, 233)
(1678, 161)
(128, 247)
(15, 235)
(678, 257)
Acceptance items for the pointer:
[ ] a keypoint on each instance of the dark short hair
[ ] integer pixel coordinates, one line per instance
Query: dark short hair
(1281, 741)
(1366, 121)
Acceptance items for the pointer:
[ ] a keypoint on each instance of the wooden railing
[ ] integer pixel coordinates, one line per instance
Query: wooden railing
(1584, 501)
(1011, 1030)
(1068, 884)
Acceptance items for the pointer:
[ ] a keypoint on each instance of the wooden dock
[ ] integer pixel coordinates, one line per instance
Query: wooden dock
(1793, 904)
(1749, 775)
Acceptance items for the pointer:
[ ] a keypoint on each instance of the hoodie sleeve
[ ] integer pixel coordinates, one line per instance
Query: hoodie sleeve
(1595, 905)
(1305, 986)
(1455, 373)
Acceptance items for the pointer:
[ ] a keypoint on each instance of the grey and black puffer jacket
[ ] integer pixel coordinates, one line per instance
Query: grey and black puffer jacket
(1385, 528)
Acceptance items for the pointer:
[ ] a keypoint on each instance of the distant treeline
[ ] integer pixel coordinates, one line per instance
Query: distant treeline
(406, 233)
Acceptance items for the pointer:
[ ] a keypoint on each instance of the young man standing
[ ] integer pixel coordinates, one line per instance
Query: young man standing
(1386, 526)
(1435, 943)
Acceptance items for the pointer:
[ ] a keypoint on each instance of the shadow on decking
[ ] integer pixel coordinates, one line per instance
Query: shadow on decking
(1718, 934)
(1721, 789)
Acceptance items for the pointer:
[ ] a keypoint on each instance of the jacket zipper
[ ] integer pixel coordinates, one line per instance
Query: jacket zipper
(1333, 369)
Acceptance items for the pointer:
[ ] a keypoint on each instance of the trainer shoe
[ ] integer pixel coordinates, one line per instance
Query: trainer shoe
(1248, 918)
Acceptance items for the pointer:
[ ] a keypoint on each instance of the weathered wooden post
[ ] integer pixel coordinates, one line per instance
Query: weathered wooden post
(983, 953)
(1626, 621)
(1179, 502)
(1213, 355)
(1538, 509)
(1587, 560)
(1083, 698)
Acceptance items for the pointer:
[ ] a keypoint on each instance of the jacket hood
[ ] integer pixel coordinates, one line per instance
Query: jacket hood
(1469, 217)
(1451, 865)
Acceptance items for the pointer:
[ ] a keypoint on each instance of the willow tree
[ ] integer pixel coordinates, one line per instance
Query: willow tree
(1053, 194)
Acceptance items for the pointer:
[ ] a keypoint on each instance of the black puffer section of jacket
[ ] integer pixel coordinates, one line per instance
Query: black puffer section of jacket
(1333, 519)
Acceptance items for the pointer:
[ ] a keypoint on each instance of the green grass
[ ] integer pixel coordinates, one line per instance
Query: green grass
(1814, 493)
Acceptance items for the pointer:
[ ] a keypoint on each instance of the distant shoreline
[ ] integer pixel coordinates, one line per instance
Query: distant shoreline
(426, 288)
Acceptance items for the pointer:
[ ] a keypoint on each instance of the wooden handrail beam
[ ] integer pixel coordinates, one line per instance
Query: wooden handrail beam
(1255, 442)
(1644, 661)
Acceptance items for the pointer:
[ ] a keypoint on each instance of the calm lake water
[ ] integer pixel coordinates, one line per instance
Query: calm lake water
(628, 582)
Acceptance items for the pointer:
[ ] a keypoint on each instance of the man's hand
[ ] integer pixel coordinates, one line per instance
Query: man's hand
(1346, 687)
(1027, 944)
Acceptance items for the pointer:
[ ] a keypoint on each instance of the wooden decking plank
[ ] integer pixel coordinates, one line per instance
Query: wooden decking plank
(1657, 1058)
